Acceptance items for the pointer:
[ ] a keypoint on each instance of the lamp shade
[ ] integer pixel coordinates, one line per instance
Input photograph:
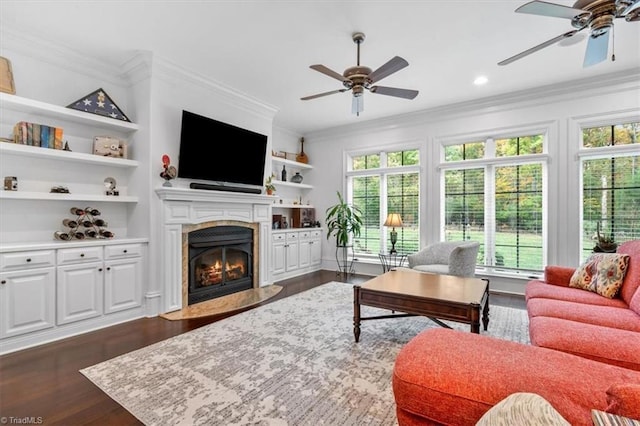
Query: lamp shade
(394, 220)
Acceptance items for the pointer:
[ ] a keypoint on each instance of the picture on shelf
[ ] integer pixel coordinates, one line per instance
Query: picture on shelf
(109, 146)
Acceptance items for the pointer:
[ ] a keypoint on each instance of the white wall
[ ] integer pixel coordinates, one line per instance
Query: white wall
(556, 109)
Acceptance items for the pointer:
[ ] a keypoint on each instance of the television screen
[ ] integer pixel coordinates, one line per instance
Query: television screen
(214, 151)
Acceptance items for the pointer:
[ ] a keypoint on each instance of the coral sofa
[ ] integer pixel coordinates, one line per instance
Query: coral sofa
(585, 355)
(584, 323)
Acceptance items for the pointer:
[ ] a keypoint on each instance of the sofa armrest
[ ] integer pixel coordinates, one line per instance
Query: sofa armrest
(558, 275)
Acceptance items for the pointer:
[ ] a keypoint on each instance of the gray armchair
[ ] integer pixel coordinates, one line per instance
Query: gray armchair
(448, 258)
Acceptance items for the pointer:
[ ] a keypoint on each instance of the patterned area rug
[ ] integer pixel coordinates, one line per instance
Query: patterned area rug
(291, 362)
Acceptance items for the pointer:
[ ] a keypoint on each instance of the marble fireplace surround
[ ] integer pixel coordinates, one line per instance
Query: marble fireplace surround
(185, 210)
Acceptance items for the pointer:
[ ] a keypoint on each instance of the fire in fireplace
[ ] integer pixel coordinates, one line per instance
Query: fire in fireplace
(220, 262)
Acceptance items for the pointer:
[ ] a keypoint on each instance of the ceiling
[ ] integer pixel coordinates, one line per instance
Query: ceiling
(264, 48)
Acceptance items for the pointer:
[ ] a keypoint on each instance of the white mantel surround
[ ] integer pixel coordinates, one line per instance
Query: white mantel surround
(183, 206)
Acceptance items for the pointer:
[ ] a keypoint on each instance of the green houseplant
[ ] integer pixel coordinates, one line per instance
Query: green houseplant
(269, 186)
(343, 221)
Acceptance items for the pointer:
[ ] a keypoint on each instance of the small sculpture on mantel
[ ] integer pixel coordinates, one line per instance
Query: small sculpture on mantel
(169, 172)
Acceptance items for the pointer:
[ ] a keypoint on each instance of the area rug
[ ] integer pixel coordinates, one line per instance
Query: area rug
(290, 362)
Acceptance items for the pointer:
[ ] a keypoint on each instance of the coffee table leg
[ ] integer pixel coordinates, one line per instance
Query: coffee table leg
(356, 312)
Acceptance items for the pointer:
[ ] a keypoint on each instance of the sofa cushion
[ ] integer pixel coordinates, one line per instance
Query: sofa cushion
(523, 409)
(537, 288)
(629, 292)
(607, 316)
(624, 400)
(604, 344)
(453, 377)
(602, 273)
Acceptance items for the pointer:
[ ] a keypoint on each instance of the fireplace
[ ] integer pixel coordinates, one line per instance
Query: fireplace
(220, 260)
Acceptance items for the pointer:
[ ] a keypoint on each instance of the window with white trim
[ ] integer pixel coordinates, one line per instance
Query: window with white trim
(380, 183)
(610, 183)
(494, 192)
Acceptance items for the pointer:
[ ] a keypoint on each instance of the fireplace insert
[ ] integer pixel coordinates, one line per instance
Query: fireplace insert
(220, 262)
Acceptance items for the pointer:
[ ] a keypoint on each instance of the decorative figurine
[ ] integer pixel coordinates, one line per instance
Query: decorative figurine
(169, 171)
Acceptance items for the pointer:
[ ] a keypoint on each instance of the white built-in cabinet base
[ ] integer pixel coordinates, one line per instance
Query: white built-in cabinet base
(57, 290)
(295, 252)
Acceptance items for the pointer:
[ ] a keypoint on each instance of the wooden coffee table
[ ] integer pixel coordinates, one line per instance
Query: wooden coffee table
(435, 296)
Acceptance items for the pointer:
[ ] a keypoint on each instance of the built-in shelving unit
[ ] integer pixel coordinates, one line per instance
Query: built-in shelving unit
(40, 169)
(30, 106)
(7, 148)
(291, 163)
(48, 196)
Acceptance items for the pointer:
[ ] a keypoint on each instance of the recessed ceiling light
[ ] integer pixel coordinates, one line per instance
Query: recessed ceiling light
(479, 81)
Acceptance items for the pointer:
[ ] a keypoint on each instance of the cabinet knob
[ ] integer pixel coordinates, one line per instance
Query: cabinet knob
(81, 254)
(108, 268)
(28, 259)
(99, 269)
(3, 282)
(124, 251)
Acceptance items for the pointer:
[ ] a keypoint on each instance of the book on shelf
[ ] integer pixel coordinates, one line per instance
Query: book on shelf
(25, 133)
(36, 134)
(58, 143)
(44, 136)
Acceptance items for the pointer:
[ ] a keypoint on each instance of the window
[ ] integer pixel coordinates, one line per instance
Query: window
(610, 165)
(380, 183)
(493, 194)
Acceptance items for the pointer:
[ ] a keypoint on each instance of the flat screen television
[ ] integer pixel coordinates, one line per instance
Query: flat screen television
(220, 153)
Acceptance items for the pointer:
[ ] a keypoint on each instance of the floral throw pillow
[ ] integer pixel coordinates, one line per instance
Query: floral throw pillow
(610, 274)
(601, 273)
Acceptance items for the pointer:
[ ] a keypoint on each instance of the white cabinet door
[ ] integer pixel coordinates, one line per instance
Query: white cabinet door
(278, 256)
(79, 292)
(305, 253)
(27, 301)
(292, 256)
(122, 284)
(316, 251)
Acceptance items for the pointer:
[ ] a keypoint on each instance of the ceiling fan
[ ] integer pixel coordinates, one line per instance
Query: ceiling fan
(359, 78)
(597, 15)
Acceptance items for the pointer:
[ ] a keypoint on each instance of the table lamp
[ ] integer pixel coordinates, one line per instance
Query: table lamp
(393, 220)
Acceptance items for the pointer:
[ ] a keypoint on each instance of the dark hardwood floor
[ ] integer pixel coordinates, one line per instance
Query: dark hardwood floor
(44, 382)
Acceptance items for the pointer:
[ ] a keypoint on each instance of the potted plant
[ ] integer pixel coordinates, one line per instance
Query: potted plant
(604, 243)
(269, 186)
(344, 222)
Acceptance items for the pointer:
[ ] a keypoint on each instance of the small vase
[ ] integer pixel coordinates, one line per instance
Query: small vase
(297, 178)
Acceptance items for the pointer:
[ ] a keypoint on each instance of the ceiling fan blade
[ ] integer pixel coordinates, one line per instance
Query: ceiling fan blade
(553, 10)
(393, 65)
(539, 47)
(326, 71)
(319, 95)
(597, 49)
(394, 91)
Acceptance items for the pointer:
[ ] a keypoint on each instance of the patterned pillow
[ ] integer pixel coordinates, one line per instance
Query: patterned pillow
(583, 275)
(601, 273)
(610, 274)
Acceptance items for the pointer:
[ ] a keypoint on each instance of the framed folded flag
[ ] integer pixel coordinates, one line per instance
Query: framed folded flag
(99, 103)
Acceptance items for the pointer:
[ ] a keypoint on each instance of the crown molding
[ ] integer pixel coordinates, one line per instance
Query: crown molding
(621, 81)
(61, 56)
(172, 72)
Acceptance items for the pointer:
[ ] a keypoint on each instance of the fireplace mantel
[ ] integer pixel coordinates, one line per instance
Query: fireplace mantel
(187, 194)
(185, 206)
